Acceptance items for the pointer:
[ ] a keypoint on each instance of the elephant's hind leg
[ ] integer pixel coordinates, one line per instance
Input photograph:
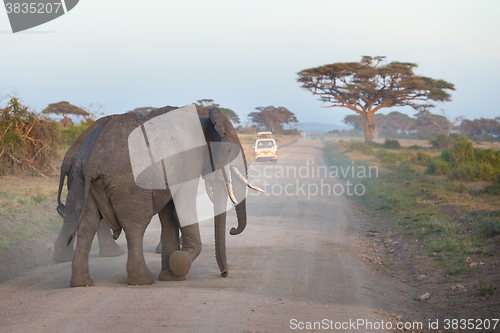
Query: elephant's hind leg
(85, 235)
(107, 245)
(62, 251)
(138, 272)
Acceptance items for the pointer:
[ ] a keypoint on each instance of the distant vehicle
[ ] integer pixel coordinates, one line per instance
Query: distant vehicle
(266, 150)
(303, 134)
(264, 135)
(314, 137)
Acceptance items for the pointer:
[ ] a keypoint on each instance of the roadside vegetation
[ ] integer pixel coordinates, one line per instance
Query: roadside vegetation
(448, 198)
(27, 210)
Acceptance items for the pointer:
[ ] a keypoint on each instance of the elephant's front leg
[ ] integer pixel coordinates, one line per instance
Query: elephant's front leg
(138, 272)
(176, 262)
(88, 226)
(169, 241)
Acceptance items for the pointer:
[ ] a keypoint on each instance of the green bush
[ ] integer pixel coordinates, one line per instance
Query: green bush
(360, 147)
(392, 144)
(417, 147)
(488, 223)
(341, 144)
(464, 162)
(438, 167)
(375, 144)
(461, 152)
(473, 171)
(71, 133)
(443, 141)
(493, 189)
(459, 188)
(405, 168)
(388, 157)
(421, 158)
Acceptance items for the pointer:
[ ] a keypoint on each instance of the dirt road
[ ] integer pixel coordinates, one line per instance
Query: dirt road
(295, 261)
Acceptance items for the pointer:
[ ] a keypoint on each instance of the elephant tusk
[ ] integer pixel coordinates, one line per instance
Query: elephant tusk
(243, 179)
(233, 199)
(228, 187)
(209, 191)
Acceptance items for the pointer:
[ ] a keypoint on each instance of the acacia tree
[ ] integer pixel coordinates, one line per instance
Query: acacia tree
(65, 108)
(367, 86)
(400, 121)
(273, 117)
(482, 126)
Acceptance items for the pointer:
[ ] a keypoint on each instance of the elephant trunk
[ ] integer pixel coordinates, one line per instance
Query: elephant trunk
(241, 214)
(220, 202)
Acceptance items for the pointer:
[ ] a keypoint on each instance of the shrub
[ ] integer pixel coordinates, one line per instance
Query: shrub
(473, 171)
(388, 157)
(464, 162)
(461, 152)
(341, 144)
(417, 147)
(488, 223)
(375, 144)
(459, 188)
(71, 133)
(438, 167)
(488, 156)
(28, 141)
(444, 141)
(493, 189)
(421, 158)
(405, 168)
(360, 147)
(391, 144)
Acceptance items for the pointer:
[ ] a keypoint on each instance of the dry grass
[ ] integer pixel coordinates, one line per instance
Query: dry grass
(27, 209)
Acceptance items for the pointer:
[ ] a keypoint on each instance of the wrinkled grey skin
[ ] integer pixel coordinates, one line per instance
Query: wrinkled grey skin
(103, 186)
(107, 245)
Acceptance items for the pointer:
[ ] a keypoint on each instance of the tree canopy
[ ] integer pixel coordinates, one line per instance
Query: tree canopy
(143, 111)
(367, 86)
(228, 112)
(273, 117)
(65, 108)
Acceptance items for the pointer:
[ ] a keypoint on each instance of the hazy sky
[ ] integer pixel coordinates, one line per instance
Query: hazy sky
(127, 54)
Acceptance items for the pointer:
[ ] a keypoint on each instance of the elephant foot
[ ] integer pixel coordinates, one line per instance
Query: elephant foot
(167, 275)
(63, 255)
(179, 263)
(81, 281)
(144, 279)
(159, 248)
(110, 250)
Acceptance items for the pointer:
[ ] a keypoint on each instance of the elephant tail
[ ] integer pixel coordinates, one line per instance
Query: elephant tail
(60, 206)
(86, 190)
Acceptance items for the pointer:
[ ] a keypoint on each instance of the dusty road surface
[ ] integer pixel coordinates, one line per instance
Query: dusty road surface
(295, 263)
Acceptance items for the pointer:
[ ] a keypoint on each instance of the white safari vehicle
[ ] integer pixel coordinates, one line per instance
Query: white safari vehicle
(264, 135)
(265, 150)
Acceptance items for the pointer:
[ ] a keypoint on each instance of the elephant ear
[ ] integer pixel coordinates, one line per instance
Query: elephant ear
(217, 119)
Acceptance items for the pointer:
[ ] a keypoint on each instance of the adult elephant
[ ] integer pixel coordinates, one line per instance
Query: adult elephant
(107, 184)
(107, 245)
